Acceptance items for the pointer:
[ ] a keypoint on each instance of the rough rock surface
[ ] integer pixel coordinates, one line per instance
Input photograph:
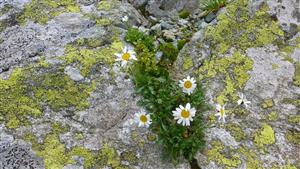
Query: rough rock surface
(71, 105)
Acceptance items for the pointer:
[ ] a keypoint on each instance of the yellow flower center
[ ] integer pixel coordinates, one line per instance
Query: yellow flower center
(187, 84)
(126, 56)
(143, 118)
(185, 113)
(222, 111)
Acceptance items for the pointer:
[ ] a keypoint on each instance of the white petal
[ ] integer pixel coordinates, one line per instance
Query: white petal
(193, 112)
(187, 122)
(179, 121)
(183, 122)
(181, 107)
(224, 121)
(118, 55)
(218, 107)
(240, 102)
(247, 102)
(220, 118)
(188, 106)
(134, 57)
(124, 63)
(218, 114)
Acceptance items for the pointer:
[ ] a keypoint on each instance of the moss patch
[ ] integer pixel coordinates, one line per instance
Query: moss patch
(184, 14)
(41, 11)
(265, 136)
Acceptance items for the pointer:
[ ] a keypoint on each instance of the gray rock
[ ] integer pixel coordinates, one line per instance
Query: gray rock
(73, 73)
(19, 155)
(210, 17)
(20, 44)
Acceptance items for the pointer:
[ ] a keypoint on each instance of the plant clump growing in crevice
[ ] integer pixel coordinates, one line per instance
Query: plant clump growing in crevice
(160, 96)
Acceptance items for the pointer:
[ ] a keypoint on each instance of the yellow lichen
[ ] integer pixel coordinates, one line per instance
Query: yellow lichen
(265, 136)
(244, 31)
(251, 158)
(294, 119)
(216, 153)
(15, 102)
(41, 11)
(297, 74)
(89, 57)
(293, 136)
(108, 156)
(187, 63)
(236, 131)
(267, 103)
(239, 63)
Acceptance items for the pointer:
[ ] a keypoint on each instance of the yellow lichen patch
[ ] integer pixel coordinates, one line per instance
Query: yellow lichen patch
(294, 119)
(59, 91)
(129, 156)
(252, 160)
(297, 74)
(293, 136)
(273, 116)
(15, 102)
(87, 58)
(267, 103)
(236, 131)
(41, 11)
(109, 157)
(217, 154)
(238, 63)
(105, 5)
(187, 63)
(89, 157)
(103, 21)
(238, 28)
(265, 136)
(53, 152)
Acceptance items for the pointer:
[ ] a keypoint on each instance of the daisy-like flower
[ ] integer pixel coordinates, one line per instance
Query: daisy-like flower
(143, 119)
(126, 55)
(188, 85)
(243, 100)
(184, 115)
(221, 112)
(125, 18)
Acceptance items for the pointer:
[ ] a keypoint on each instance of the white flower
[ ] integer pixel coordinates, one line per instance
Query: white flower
(126, 55)
(184, 114)
(143, 119)
(125, 18)
(221, 112)
(243, 100)
(188, 85)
